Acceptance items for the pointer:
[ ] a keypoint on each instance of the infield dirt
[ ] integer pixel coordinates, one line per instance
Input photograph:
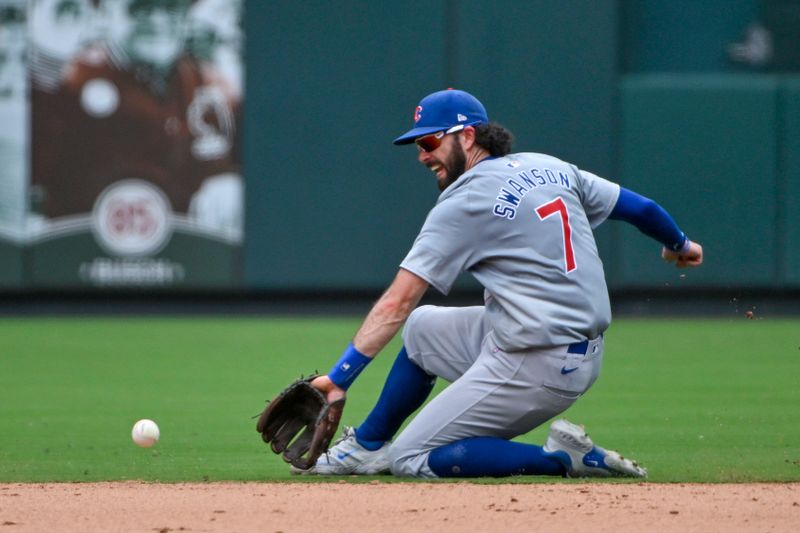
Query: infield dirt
(407, 507)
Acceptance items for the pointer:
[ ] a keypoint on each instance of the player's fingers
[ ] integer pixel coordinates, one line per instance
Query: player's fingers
(694, 261)
(325, 385)
(335, 394)
(322, 383)
(684, 262)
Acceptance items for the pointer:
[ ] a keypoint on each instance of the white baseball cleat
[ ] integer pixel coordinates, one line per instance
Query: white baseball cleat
(570, 444)
(347, 457)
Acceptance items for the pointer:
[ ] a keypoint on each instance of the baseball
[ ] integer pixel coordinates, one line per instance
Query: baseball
(145, 433)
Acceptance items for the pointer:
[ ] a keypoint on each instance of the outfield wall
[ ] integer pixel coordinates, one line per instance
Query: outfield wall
(644, 93)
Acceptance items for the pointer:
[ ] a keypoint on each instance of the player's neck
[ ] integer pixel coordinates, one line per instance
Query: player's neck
(475, 156)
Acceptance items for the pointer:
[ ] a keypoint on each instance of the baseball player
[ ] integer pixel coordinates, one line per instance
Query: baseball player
(521, 224)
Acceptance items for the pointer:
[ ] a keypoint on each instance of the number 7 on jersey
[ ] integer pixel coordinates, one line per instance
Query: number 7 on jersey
(558, 206)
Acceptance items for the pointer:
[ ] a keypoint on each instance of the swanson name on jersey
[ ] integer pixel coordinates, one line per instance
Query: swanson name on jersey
(524, 182)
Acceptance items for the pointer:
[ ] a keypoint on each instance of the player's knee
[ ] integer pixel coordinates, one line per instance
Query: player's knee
(416, 322)
(415, 357)
(413, 332)
(405, 462)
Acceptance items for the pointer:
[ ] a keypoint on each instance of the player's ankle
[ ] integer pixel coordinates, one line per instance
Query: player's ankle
(371, 445)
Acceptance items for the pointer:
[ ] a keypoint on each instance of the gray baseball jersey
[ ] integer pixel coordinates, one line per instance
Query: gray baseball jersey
(522, 226)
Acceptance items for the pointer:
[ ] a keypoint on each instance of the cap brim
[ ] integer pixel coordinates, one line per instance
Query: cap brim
(409, 136)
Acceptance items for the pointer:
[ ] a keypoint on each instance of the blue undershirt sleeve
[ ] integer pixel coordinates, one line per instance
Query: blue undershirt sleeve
(650, 218)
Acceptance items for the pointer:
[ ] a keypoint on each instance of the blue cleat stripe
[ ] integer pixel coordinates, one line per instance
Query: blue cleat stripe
(595, 459)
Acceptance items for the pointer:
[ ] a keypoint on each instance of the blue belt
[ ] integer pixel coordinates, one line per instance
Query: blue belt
(578, 347)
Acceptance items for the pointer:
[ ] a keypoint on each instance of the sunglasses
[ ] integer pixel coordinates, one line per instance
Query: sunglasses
(429, 143)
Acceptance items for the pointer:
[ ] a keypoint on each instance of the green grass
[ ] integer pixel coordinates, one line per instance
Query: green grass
(699, 400)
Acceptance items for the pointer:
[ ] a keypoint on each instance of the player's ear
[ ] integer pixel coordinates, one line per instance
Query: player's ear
(468, 137)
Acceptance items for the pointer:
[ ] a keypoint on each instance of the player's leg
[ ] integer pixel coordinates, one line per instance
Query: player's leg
(568, 451)
(492, 457)
(406, 388)
(448, 340)
(466, 430)
(408, 383)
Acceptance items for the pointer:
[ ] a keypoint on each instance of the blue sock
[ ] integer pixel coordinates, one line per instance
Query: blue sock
(494, 457)
(406, 388)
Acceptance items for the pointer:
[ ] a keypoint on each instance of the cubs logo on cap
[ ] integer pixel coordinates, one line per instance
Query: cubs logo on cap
(442, 111)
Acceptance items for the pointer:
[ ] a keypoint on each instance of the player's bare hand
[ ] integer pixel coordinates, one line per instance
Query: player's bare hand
(329, 388)
(691, 258)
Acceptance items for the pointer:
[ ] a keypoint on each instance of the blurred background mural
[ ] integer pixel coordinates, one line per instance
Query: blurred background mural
(123, 141)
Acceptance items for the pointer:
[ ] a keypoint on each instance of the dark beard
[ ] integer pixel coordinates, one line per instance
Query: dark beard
(456, 164)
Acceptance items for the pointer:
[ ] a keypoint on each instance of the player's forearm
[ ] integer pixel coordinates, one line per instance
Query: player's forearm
(650, 218)
(382, 323)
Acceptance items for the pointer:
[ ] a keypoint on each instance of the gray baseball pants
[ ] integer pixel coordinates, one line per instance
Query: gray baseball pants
(492, 392)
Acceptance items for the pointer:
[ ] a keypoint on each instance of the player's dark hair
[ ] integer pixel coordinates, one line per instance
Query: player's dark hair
(495, 138)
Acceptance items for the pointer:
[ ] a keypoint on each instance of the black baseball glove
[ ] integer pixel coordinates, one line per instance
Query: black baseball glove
(300, 423)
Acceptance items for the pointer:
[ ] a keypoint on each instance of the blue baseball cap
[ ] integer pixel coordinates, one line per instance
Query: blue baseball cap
(443, 110)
